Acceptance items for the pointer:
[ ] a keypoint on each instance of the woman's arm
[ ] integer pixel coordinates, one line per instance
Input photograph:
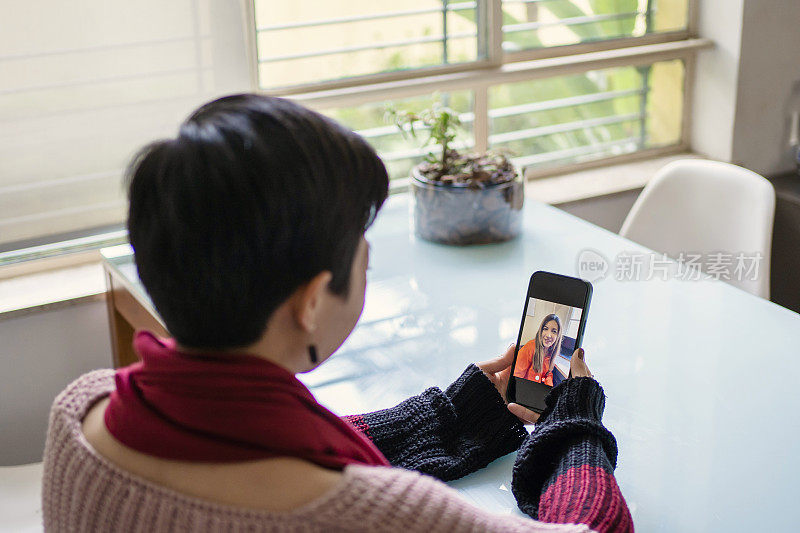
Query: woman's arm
(525, 359)
(393, 499)
(564, 472)
(447, 434)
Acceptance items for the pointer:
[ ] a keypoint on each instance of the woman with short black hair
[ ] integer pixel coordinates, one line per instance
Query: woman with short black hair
(248, 232)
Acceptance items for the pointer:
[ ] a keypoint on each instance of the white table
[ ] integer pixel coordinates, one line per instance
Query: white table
(705, 431)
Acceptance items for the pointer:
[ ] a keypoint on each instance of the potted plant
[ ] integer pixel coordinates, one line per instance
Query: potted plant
(460, 198)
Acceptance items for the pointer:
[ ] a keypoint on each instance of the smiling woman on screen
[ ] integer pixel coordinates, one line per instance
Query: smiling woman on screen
(536, 358)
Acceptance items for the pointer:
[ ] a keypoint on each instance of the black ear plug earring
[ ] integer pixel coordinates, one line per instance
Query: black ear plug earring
(312, 353)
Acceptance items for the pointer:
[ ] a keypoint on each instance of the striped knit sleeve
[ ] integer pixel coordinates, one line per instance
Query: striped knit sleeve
(565, 471)
(446, 434)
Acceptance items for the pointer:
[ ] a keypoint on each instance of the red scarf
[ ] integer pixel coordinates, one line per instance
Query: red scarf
(223, 407)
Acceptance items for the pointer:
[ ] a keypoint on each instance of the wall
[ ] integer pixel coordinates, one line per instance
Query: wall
(39, 355)
(607, 211)
(769, 85)
(748, 83)
(714, 96)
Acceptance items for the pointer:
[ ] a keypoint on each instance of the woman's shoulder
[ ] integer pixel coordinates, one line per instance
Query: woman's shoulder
(530, 345)
(79, 396)
(528, 350)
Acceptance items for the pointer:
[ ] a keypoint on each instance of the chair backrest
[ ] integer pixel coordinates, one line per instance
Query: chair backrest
(694, 206)
(21, 498)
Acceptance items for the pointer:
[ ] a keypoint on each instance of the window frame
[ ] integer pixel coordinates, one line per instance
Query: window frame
(502, 67)
(495, 56)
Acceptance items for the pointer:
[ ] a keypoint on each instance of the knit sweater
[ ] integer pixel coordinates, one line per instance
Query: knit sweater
(445, 434)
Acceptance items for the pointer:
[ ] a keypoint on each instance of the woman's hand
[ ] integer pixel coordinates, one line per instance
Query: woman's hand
(577, 365)
(498, 370)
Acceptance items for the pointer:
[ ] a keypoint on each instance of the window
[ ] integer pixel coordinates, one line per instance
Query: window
(570, 119)
(535, 24)
(298, 45)
(557, 84)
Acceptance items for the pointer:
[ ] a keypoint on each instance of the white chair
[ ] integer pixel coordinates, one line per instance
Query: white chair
(21, 498)
(694, 206)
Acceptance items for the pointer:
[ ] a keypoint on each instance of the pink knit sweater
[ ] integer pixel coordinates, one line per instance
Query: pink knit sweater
(83, 492)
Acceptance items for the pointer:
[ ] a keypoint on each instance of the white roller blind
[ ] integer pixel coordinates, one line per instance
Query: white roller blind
(84, 84)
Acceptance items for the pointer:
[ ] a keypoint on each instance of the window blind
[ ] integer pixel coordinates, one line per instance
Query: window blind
(85, 84)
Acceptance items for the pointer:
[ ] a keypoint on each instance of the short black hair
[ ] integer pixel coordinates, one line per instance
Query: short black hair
(253, 198)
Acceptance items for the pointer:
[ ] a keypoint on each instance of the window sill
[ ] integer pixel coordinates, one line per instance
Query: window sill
(54, 289)
(38, 291)
(602, 181)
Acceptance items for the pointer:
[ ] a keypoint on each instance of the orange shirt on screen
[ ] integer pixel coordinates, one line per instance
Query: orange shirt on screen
(524, 368)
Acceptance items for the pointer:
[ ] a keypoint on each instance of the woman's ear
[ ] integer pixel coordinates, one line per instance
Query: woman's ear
(308, 301)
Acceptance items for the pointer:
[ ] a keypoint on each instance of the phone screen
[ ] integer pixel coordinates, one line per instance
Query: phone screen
(552, 328)
(549, 332)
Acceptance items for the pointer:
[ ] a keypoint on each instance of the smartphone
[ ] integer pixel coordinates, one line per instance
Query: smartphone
(553, 322)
